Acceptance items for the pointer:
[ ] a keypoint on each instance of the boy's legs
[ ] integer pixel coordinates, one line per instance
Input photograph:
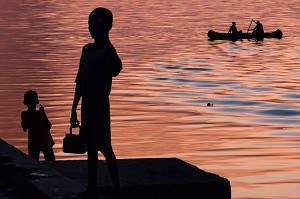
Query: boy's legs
(48, 154)
(34, 152)
(111, 160)
(107, 151)
(92, 161)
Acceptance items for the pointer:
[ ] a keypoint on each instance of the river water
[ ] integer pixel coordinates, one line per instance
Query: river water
(171, 71)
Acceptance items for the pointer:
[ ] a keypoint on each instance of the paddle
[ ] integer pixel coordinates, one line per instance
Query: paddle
(250, 25)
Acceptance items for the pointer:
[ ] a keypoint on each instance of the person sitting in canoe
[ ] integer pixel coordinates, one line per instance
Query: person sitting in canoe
(233, 29)
(258, 28)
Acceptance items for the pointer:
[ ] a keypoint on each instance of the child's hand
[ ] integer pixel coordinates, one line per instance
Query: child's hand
(42, 108)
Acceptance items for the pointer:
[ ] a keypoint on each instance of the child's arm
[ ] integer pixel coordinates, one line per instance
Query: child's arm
(77, 95)
(73, 120)
(25, 122)
(42, 109)
(114, 60)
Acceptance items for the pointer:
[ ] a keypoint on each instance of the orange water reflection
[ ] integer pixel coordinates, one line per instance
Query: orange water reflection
(171, 71)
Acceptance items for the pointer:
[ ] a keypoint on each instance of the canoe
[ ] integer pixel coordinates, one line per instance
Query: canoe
(213, 35)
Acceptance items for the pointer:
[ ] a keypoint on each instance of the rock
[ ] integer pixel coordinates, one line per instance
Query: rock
(159, 178)
(146, 178)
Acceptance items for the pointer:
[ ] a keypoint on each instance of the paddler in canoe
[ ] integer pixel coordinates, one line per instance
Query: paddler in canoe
(233, 28)
(233, 34)
(259, 28)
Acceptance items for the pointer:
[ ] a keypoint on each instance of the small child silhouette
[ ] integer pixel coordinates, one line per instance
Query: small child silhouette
(38, 126)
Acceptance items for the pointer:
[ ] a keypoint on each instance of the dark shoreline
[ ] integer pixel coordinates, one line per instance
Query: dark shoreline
(150, 178)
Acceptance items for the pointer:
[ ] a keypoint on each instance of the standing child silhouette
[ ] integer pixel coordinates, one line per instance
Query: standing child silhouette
(38, 126)
(99, 62)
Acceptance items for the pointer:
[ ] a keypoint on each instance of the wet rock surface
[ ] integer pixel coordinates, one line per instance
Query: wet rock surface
(149, 178)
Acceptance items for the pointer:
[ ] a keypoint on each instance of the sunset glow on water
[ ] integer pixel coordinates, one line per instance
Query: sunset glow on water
(171, 71)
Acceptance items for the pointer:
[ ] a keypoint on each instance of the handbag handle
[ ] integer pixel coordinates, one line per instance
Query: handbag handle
(71, 127)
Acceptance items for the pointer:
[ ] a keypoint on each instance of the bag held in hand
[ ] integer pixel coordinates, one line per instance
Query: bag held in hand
(74, 143)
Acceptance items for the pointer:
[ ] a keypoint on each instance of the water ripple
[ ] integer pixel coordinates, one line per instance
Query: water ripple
(277, 112)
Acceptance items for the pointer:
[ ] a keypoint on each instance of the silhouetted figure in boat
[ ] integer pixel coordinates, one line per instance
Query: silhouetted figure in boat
(233, 29)
(38, 126)
(99, 63)
(258, 28)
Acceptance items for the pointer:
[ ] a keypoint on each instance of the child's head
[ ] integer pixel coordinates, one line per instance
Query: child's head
(31, 98)
(100, 22)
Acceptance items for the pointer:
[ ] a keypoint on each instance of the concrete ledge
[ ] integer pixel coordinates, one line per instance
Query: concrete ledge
(162, 178)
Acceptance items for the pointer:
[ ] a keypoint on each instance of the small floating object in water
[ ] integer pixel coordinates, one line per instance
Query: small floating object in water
(210, 104)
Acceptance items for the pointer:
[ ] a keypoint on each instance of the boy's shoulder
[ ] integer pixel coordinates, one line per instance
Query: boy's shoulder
(24, 113)
(88, 45)
(86, 48)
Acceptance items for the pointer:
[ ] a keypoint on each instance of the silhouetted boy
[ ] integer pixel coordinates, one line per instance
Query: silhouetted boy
(38, 126)
(99, 62)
